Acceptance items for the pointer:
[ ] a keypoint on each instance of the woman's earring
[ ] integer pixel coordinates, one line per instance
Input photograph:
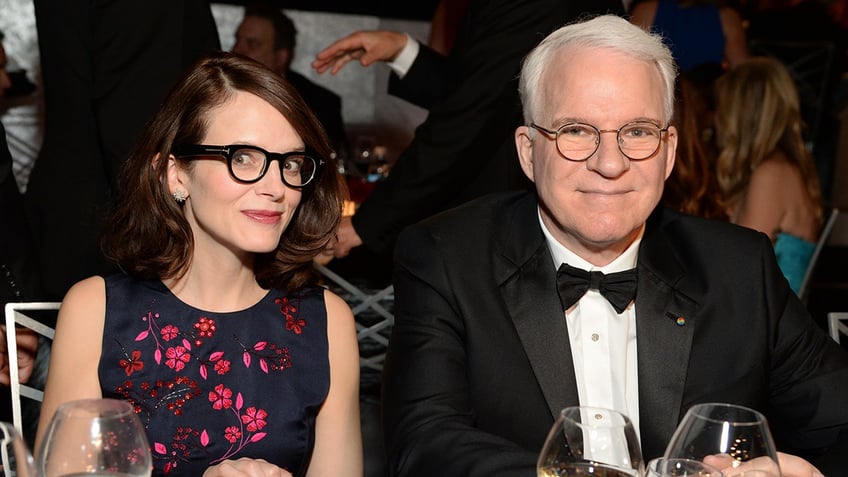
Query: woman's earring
(180, 196)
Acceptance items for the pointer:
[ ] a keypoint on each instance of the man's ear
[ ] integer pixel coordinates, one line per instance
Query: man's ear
(671, 151)
(524, 146)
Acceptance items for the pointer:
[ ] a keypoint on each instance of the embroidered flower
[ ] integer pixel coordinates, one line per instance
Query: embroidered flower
(169, 332)
(177, 356)
(232, 434)
(133, 364)
(254, 418)
(222, 367)
(206, 328)
(220, 397)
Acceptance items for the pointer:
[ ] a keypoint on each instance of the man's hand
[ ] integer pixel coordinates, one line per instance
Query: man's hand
(366, 46)
(27, 343)
(790, 465)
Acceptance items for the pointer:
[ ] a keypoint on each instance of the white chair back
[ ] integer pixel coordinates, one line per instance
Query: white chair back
(827, 229)
(16, 316)
(837, 324)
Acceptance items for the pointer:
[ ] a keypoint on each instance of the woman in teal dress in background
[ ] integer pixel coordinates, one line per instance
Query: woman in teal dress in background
(765, 172)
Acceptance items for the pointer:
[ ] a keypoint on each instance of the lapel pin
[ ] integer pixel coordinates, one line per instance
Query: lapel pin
(679, 320)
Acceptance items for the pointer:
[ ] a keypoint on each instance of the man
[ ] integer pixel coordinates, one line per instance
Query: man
(268, 36)
(106, 66)
(462, 150)
(487, 348)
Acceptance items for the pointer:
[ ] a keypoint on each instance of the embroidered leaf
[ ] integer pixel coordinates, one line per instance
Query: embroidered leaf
(186, 344)
(204, 438)
(264, 365)
(142, 335)
(258, 437)
(160, 448)
(216, 356)
(167, 469)
(246, 359)
(203, 371)
(239, 402)
(157, 355)
(260, 345)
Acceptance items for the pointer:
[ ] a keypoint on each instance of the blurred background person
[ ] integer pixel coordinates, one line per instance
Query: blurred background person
(463, 149)
(698, 32)
(810, 37)
(692, 187)
(766, 174)
(17, 276)
(106, 67)
(268, 36)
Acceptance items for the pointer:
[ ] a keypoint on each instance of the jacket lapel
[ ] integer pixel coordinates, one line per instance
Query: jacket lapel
(665, 324)
(525, 272)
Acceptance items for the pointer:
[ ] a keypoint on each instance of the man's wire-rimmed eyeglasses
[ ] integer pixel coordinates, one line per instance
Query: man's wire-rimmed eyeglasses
(249, 164)
(578, 141)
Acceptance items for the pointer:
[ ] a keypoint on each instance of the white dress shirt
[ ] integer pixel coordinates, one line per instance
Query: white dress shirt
(406, 57)
(603, 342)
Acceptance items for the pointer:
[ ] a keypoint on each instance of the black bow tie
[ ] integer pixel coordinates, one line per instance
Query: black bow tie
(618, 288)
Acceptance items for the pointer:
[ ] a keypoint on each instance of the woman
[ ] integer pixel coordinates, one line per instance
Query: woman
(692, 187)
(766, 175)
(699, 32)
(235, 361)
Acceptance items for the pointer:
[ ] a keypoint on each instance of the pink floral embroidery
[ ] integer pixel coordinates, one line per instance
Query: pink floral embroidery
(222, 367)
(220, 397)
(232, 434)
(177, 356)
(254, 418)
(169, 332)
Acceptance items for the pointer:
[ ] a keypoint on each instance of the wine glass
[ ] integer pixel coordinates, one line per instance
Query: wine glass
(733, 438)
(15, 457)
(95, 437)
(591, 441)
(663, 467)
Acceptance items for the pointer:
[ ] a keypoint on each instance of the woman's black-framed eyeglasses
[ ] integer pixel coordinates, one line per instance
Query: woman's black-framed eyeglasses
(249, 164)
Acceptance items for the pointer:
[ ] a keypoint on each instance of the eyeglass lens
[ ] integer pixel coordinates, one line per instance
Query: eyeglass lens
(249, 165)
(578, 141)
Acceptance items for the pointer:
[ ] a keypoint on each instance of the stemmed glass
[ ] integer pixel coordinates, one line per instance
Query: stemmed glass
(15, 457)
(591, 441)
(662, 467)
(733, 438)
(95, 437)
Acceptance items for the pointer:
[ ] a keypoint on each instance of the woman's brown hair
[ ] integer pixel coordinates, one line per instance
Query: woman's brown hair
(759, 113)
(147, 234)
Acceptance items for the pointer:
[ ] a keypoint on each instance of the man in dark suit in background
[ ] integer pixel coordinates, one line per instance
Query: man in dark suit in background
(499, 324)
(106, 67)
(462, 150)
(268, 36)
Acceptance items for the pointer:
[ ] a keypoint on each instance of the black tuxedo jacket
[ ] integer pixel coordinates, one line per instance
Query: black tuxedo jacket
(465, 147)
(479, 362)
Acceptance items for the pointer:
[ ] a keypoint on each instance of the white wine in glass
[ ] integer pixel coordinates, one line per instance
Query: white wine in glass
(733, 438)
(662, 467)
(591, 441)
(95, 437)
